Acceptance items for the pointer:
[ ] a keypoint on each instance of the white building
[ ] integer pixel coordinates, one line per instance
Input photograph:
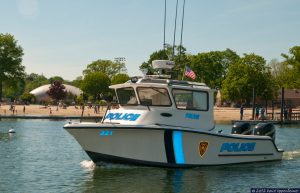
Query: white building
(41, 92)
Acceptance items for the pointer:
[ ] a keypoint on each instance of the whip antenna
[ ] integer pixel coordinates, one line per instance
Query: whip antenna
(165, 25)
(175, 30)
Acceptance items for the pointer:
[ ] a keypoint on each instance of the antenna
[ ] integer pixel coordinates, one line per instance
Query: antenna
(165, 25)
(182, 19)
(175, 29)
(180, 46)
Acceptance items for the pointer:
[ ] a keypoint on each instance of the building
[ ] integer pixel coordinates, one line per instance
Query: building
(40, 93)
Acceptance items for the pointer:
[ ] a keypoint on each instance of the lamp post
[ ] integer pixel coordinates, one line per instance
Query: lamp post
(253, 102)
(282, 105)
(120, 59)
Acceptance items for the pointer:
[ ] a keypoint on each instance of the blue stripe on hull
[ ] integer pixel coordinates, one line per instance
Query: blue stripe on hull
(178, 147)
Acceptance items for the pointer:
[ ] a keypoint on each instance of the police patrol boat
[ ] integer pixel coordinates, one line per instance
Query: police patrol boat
(170, 123)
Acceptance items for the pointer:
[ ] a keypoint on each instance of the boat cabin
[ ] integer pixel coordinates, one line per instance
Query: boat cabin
(163, 102)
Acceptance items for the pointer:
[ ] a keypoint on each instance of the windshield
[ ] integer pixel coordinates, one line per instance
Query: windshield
(126, 96)
(154, 96)
(190, 99)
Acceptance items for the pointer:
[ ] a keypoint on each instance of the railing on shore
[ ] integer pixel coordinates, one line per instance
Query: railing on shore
(275, 118)
(288, 117)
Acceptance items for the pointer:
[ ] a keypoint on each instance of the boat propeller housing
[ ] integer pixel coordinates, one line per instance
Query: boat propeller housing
(267, 129)
(242, 128)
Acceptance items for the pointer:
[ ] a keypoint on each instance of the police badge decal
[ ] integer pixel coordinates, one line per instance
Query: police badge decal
(203, 145)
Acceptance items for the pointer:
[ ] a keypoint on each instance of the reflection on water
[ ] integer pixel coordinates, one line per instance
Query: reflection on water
(231, 178)
(140, 179)
(4, 137)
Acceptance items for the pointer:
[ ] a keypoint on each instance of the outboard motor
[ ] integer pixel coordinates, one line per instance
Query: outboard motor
(242, 128)
(267, 129)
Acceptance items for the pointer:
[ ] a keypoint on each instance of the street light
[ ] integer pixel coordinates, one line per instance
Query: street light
(120, 59)
(253, 102)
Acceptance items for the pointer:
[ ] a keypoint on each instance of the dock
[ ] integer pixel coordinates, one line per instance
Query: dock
(275, 122)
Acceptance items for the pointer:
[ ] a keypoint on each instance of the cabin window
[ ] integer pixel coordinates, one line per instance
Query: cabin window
(190, 99)
(126, 96)
(154, 96)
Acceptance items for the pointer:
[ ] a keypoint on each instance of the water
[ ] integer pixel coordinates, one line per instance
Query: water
(42, 157)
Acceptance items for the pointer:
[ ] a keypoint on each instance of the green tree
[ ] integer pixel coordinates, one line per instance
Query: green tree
(33, 81)
(57, 91)
(247, 73)
(13, 89)
(289, 77)
(11, 54)
(77, 82)
(119, 78)
(105, 66)
(27, 97)
(212, 67)
(55, 78)
(95, 83)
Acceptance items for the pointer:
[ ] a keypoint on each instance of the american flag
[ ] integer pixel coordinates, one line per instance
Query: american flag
(189, 73)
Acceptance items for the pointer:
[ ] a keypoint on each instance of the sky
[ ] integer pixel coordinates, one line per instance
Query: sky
(61, 37)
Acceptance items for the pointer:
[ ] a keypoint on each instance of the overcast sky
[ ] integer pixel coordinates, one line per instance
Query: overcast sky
(60, 37)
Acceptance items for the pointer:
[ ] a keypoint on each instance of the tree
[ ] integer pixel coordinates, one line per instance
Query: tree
(119, 78)
(105, 66)
(77, 82)
(212, 67)
(32, 81)
(55, 78)
(27, 97)
(289, 78)
(57, 91)
(10, 60)
(13, 89)
(95, 83)
(247, 73)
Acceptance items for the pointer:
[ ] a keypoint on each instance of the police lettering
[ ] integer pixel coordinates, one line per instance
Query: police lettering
(237, 147)
(123, 116)
(192, 116)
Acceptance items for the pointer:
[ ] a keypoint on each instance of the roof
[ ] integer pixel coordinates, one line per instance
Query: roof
(160, 82)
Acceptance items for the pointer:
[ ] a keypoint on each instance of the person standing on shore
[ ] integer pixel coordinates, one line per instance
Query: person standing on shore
(24, 109)
(241, 112)
(290, 112)
(262, 113)
(256, 113)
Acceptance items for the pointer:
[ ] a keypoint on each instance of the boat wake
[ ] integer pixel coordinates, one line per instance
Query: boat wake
(88, 164)
(290, 155)
(105, 165)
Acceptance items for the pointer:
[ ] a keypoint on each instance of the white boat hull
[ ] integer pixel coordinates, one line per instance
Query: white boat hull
(164, 146)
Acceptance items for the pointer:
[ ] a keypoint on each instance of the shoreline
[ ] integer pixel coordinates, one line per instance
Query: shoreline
(221, 114)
